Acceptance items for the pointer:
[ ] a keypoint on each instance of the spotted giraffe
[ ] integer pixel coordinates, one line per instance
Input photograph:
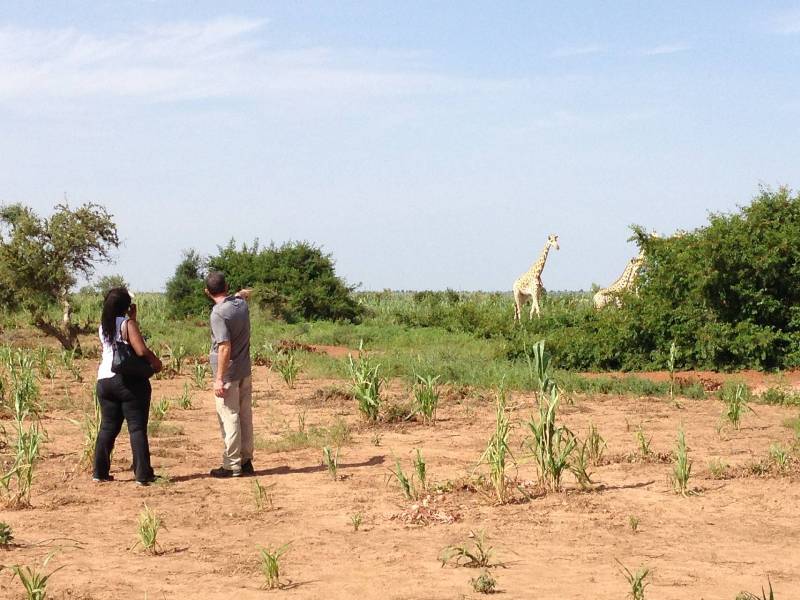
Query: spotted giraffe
(529, 285)
(623, 283)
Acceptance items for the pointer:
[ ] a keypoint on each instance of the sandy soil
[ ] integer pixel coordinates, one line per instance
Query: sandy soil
(730, 536)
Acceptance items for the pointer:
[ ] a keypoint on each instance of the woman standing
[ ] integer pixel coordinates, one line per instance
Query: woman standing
(122, 397)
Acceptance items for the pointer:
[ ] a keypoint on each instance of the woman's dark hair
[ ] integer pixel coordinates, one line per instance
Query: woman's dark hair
(115, 304)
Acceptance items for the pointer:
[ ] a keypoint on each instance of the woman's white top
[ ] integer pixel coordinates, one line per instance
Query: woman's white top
(104, 371)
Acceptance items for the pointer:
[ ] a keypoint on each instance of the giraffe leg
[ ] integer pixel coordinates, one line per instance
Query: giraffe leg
(517, 306)
(535, 298)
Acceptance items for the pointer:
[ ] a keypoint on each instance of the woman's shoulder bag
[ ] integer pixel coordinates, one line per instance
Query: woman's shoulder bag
(127, 362)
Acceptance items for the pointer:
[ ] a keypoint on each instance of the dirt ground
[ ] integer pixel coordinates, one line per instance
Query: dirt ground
(711, 380)
(730, 535)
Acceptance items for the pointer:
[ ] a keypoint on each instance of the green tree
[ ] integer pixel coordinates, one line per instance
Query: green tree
(185, 289)
(41, 259)
(106, 282)
(293, 281)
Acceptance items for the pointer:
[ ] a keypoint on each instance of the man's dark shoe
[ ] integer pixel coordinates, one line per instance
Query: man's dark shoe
(222, 473)
(98, 479)
(247, 468)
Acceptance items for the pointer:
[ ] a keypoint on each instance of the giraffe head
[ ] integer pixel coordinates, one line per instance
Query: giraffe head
(552, 240)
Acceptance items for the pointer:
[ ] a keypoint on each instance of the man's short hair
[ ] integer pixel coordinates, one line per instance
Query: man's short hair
(215, 283)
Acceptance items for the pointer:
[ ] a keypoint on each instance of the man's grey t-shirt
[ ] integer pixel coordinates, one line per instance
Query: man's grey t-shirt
(230, 322)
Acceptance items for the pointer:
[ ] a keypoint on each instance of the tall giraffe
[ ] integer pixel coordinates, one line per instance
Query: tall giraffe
(623, 283)
(529, 285)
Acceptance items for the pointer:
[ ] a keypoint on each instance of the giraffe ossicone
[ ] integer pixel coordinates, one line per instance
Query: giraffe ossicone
(529, 285)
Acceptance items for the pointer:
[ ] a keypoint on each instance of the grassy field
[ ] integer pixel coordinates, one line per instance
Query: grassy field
(463, 338)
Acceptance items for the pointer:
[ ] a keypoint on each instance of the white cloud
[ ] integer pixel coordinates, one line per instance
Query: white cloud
(578, 51)
(220, 58)
(666, 49)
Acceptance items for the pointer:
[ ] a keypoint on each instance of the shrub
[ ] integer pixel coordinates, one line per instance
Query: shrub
(294, 281)
(185, 296)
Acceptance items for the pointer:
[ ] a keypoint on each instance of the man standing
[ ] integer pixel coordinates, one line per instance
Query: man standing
(230, 364)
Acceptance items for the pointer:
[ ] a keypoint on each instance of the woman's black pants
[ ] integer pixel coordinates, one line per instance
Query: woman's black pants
(123, 398)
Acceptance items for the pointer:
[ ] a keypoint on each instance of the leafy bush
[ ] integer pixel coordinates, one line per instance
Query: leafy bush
(294, 281)
(185, 294)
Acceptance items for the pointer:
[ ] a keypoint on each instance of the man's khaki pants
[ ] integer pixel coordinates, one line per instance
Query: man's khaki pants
(235, 412)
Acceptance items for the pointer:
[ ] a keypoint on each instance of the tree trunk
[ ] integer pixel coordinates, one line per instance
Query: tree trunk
(67, 333)
(69, 330)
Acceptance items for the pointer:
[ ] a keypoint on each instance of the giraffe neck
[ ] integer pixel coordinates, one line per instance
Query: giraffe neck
(623, 280)
(538, 266)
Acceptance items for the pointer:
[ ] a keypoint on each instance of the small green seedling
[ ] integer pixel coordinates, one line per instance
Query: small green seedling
(636, 581)
(262, 496)
(33, 580)
(406, 485)
(149, 526)
(270, 562)
(718, 468)
(426, 398)
(475, 554)
(633, 523)
(331, 461)
(356, 520)
(779, 456)
(735, 400)
(286, 363)
(6, 535)
(421, 470)
(185, 401)
(673, 355)
(366, 384)
(199, 372)
(595, 445)
(498, 449)
(484, 583)
(161, 409)
(763, 596)
(644, 442)
(682, 467)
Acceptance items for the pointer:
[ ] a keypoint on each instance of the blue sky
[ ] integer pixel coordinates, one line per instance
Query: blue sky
(425, 145)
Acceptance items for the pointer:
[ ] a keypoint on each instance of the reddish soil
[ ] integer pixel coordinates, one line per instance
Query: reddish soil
(335, 351)
(758, 381)
(728, 536)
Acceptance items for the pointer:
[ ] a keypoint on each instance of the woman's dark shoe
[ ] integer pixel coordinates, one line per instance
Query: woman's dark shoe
(98, 479)
(146, 482)
(247, 468)
(222, 473)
